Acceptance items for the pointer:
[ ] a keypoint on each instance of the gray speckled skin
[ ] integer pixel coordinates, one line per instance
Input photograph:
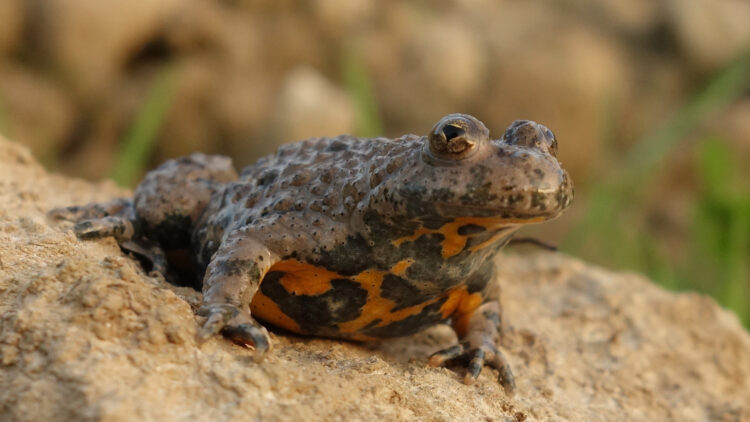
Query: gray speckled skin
(347, 237)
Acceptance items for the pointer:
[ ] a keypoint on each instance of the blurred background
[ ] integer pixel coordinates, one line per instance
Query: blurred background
(650, 100)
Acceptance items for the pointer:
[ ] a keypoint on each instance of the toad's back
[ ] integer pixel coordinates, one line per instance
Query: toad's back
(314, 186)
(327, 175)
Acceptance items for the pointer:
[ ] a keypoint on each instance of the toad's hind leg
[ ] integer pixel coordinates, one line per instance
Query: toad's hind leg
(171, 198)
(163, 211)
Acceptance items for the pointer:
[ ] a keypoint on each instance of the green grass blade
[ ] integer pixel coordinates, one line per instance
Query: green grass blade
(720, 244)
(4, 120)
(736, 296)
(619, 190)
(726, 87)
(139, 141)
(722, 227)
(358, 85)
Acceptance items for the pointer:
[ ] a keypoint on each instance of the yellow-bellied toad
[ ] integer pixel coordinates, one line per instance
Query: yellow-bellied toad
(345, 237)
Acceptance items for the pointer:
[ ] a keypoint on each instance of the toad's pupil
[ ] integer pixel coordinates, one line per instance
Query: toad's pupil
(451, 132)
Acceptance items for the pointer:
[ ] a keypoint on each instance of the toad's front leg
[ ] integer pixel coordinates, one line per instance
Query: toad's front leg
(232, 279)
(478, 330)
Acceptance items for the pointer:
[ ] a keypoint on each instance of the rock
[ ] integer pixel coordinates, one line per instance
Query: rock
(12, 24)
(593, 72)
(637, 18)
(298, 113)
(93, 40)
(710, 32)
(562, 76)
(339, 17)
(443, 59)
(85, 334)
(36, 111)
(424, 63)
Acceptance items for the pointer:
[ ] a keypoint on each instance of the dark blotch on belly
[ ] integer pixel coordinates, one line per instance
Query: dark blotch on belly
(342, 302)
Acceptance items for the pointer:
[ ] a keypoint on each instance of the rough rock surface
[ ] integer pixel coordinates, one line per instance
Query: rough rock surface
(85, 334)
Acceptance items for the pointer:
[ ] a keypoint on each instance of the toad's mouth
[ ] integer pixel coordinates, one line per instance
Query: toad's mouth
(508, 215)
(514, 207)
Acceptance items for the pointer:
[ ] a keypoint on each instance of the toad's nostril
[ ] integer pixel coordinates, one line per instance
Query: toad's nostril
(451, 131)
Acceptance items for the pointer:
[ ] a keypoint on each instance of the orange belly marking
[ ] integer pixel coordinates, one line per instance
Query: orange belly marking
(400, 267)
(304, 279)
(267, 310)
(461, 306)
(300, 279)
(379, 309)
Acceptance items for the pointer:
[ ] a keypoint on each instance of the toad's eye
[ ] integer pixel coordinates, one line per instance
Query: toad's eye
(456, 136)
(452, 131)
(526, 133)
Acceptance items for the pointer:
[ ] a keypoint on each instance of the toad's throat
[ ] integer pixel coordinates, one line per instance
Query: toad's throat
(456, 234)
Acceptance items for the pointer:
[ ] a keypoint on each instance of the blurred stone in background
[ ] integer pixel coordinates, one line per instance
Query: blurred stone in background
(254, 74)
(11, 12)
(709, 32)
(308, 103)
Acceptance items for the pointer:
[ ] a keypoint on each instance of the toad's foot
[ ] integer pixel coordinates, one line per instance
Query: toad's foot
(478, 332)
(116, 218)
(477, 358)
(77, 213)
(121, 228)
(235, 324)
